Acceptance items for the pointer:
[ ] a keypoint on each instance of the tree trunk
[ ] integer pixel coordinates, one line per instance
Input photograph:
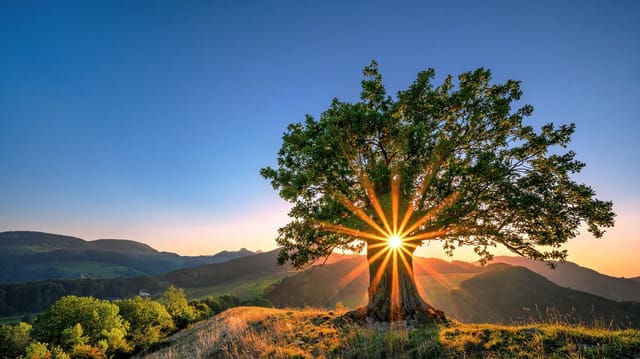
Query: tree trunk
(393, 295)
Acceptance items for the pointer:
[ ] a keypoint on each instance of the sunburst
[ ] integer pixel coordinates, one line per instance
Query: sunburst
(395, 242)
(397, 235)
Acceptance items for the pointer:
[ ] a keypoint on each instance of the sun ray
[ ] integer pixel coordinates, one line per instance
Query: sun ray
(436, 276)
(395, 199)
(430, 235)
(353, 274)
(349, 231)
(432, 213)
(390, 236)
(385, 243)
(406, 262)
(365, 182)
(380, 271)
(395, 286)
(404, 249)
(371, 193)
(417, 195)
(358, 212)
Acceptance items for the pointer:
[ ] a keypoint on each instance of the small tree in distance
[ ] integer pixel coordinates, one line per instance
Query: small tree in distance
(452, 163)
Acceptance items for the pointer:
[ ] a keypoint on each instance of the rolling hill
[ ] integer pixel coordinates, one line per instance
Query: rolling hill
(509, 294)
(498, 293)
(518, 294)
(52, 256)
(34, 297)
(573, 276)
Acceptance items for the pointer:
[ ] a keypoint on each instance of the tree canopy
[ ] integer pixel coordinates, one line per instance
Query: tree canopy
(454, 162)
(82, 321)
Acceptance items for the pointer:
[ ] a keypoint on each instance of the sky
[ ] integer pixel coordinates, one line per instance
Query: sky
(150, 120)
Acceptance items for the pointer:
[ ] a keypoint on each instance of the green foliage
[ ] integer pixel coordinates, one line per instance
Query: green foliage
(58, 353)
(489, 178)
(86, 351)
(211, 305)
(74, 320)
(35, 297)
(14, 339)
(73, 336)
(148, 319)
(37, 350)
(175, 301)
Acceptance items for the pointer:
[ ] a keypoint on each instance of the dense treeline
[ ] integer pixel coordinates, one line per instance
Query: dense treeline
(34, 297)
(12, 269)
(88, 327)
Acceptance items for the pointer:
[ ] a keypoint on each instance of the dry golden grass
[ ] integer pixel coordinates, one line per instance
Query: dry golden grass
(251, 332)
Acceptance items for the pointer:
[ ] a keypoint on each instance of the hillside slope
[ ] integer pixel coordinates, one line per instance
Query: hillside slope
(33, 297)
(499, 293)
(51, 256)
(250, 332)
(346, 281)
(508, 294)
(576, 277)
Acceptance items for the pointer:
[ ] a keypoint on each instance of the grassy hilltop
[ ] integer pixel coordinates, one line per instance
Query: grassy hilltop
(251, 332)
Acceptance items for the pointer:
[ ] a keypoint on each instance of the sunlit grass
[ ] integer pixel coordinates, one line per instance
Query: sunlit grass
(249, 332)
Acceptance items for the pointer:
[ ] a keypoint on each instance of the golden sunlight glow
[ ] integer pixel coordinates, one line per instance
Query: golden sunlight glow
(395, 241)
(394, 235)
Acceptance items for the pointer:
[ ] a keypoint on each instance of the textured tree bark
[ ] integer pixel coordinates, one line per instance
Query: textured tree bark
(393, 295)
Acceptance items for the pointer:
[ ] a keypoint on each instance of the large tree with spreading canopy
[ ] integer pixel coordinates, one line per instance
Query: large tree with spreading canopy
(454, 163)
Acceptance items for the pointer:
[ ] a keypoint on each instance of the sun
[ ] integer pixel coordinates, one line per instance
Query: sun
(395, 241)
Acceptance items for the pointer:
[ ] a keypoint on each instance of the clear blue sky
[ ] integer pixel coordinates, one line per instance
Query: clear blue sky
(150, 120)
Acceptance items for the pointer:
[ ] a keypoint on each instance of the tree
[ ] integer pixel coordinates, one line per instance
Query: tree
(14, 339)
(450, 163)
(37, 350)
(77, 321)
(175, 301)
(148, 319)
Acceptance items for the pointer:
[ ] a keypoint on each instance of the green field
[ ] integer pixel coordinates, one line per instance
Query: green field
(243, 288)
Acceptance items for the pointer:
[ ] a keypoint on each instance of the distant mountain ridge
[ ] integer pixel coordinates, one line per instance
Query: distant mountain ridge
(571, 275)
(53, 256)
(513, 294)
(34, 297)
(498, 293)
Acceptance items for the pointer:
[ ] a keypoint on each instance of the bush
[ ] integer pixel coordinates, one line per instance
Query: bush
(75, 321)
(14, 339)
(148, 319)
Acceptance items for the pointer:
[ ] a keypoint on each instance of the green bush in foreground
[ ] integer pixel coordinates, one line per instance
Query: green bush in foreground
(149, 321)
(78, 321)
(14, 339)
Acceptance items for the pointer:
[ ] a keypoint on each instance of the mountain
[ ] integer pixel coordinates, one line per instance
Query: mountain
(34, 297)
(508, 294)
(248, 267)
(573, 276)
(52, 256)
(346, 281)
(499, 293)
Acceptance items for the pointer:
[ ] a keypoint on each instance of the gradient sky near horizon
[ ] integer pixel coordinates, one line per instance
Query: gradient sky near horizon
(150, 120)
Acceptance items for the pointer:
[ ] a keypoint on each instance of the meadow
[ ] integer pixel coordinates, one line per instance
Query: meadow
(252, 332)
